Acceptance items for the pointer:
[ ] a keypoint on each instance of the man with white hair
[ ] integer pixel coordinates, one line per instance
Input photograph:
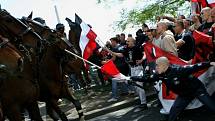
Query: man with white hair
(167, 42)
(207, 20)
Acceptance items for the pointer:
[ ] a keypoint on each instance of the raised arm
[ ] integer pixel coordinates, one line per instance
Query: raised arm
(189, 69)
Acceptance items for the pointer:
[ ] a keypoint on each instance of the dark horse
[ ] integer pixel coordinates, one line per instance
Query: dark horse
(53, 72)
(74, 37)
(19, 81)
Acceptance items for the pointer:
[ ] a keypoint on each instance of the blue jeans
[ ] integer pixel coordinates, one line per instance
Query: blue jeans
(115, 88)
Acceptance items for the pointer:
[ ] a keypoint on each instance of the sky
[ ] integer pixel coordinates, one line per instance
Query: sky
(100, 16)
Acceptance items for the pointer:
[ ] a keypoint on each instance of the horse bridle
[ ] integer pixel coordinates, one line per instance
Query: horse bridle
(4, 41)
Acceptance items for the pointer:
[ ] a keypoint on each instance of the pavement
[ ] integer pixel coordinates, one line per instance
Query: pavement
(96, 108)
(133, 113)
(95, 104)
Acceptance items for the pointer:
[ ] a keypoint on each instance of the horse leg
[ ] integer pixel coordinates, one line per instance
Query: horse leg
(13, 113)
(83, 83)
(22, 113)
(1, 113)
(34, 112)
(57, 109)
(50, 112)
(86, 75)
(68, 95)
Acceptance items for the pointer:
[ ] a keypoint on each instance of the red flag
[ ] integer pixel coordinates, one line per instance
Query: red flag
(197, 5)
(207, 3)
(211, 3)
(170, 96)
(203, 48)
(110, 69)
(152, 53)
(203, 3)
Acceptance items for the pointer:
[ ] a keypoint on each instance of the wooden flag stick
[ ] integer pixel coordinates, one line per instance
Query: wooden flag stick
(82, 58)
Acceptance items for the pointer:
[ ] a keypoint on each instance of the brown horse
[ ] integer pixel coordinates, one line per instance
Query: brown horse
(10, 64)
(1, 113)
(74, 37)
(19, 88)
(56, 80)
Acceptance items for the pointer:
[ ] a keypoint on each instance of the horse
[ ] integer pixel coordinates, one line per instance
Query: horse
(74, 37)
(19, 83)
(56, 47)
(10, 64)
(1, 113)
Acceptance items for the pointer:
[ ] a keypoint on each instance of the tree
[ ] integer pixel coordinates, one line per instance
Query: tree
(148, 13)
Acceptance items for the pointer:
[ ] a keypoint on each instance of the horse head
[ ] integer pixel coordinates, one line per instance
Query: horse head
(74, 33)
(38, 25)
(19, 30)
(51, 37)
(30, 15)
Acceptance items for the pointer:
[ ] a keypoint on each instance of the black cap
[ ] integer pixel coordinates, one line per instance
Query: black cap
(59, 26)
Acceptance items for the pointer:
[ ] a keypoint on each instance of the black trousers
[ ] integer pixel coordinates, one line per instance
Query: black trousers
(182, 102)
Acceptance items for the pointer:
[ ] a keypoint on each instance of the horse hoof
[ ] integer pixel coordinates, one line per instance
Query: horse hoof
(2, 66)
(82, 118)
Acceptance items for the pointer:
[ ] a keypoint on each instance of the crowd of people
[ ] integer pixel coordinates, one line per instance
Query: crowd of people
(173, 35)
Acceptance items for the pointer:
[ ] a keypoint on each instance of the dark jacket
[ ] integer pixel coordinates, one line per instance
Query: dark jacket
(180, 80)
(120, 62)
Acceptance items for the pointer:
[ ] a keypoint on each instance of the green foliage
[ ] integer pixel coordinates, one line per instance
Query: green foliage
(109, 1)
(147, 13)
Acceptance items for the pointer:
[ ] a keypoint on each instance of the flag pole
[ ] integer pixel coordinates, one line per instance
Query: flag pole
(56, 10)
(57, 14)
(82, 58)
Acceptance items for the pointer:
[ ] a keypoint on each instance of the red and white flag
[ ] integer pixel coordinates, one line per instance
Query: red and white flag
(207, 77)
(207, 3)
(88, 38)
(211, 3)
(197, 5)
(203, 46)
(110, 69)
